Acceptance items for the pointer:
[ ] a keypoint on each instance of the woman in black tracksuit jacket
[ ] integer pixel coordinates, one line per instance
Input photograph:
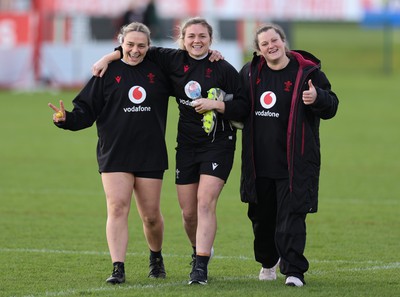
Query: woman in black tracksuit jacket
(289, 94)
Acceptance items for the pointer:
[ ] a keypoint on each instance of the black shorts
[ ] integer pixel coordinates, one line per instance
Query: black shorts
(150, 174)
(190, 164)
(146, 174)
(159, 174)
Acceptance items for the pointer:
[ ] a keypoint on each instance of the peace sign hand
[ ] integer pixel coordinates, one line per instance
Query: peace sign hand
(59, 115)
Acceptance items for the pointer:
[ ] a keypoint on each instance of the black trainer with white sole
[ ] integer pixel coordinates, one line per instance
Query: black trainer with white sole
(198, 276)
(118, 274)
(156, 268)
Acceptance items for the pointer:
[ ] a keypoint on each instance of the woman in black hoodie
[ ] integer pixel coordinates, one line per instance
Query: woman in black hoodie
(289, 94)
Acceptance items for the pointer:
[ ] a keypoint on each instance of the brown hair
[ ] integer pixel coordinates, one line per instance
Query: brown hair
(265, 27)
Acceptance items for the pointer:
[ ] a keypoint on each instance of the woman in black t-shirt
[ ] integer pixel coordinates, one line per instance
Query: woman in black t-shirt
(129, 105)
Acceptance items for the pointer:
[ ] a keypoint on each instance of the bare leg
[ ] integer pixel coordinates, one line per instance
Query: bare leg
(118, 187)
(147, 194)
(209, 190)
(187, 196)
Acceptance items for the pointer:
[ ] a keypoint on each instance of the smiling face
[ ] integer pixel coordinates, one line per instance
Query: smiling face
(271, 46)
(135, 46)
(197, 40)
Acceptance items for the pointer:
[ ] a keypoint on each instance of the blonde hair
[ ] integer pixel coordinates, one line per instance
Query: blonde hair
(134, 27)
(189, 22)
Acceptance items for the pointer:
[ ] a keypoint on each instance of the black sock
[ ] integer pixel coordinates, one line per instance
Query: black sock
(194, 250)
(202, 262)
(155, 255)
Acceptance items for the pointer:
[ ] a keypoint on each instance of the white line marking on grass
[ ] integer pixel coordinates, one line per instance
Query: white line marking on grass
(124, 287)
(184, 283)
(371, 266)
(346, 261)
(379, 264)
(47, 251)
(388, 266)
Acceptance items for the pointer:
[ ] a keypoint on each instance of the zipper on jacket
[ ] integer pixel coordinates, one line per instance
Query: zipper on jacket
(302, 137)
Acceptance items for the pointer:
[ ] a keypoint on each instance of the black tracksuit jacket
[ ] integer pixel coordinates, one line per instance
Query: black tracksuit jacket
(303, 143)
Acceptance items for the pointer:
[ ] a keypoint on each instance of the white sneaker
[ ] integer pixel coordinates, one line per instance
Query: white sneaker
(293, 281)
(268, 274)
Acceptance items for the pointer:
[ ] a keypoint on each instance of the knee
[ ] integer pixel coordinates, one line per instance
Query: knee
(206, 207)
(152, 220)
(190, 217)
(117, 209)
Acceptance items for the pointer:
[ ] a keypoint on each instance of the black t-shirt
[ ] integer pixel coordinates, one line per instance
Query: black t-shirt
(185, 73)
(272, 107)
(129, 105)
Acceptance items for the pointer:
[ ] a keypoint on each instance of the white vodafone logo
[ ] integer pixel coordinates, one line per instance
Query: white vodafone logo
(268, 99)
(137, 94)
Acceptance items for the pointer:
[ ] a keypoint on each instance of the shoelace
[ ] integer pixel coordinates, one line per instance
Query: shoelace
(193, 262)
(156, 265)
(117, 271)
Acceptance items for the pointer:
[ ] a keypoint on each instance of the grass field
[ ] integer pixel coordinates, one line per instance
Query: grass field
(52, 212)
